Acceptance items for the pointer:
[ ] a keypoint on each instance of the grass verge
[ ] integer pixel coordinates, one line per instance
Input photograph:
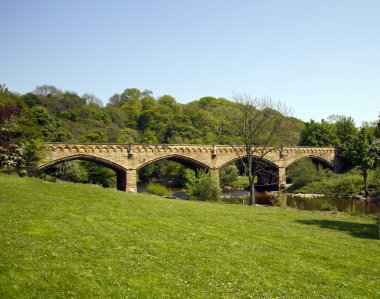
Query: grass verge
(71, 240)
(158, 189)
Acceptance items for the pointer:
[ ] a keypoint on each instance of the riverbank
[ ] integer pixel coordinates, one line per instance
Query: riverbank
(76, 240)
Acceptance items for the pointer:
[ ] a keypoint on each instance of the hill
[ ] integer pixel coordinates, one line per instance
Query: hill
(72, 240)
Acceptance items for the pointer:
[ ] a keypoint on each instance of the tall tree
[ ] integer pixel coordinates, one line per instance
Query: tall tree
(364, 154)
(318, 134)
(346, 132)
(259, 126)
(377, 131)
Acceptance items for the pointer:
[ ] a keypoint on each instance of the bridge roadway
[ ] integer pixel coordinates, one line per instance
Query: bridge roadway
(127, 159)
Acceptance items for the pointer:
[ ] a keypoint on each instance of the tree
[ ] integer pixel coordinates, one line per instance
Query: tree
(47, 90)
(377, 131)
(364, 154)
(201, 186)
(115, 100)
(90, 98)
(228, 174)
(346, 133)
(94, 136)
(318, 134)
(259, 126)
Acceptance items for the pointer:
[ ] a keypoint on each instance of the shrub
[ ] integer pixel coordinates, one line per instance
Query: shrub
(303, 172)
(279, 200)
(347, 185)
(328, 208)
(72, 171)
(228, 174)
(157, 189)
(374, 179)
(201, 186)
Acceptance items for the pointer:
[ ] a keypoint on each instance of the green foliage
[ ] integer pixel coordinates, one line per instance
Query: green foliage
(228, 174)
(346, 133)
(11, 159)
(279, 200)
(332, 183)
(377, 131)
(347, 185)
(128, 135)
(201, 186)
(242, 181)
(328, 208)
(146, 172)
(374, 179)
(132, 107)
(364, 154)
(157, 189)
(100, 175)
(304, 172)
(318, 134)
(168, 171)
(94, 136)
(94, 112)
(149, 137)
(63, 116)
(72, 171)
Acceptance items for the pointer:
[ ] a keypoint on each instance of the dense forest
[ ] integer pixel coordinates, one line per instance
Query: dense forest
(48, 114)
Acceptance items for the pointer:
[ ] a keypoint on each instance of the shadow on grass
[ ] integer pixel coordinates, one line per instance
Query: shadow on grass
(359, 230)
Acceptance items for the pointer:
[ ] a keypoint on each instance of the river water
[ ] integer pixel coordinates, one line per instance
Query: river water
(298, 202)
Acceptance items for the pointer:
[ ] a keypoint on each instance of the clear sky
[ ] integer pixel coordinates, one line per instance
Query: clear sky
(320, 57)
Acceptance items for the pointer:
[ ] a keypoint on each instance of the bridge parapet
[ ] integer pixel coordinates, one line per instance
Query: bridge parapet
(128, 158)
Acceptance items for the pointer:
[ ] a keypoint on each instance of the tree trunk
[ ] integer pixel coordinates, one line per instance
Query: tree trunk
(365, 175)
(251, 178)
(251, 201)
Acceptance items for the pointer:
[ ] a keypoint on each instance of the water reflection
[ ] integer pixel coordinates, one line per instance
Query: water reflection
(317, 203)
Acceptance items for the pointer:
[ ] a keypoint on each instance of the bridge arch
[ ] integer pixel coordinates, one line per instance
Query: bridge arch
(267, 175)
(84, 157)
(323, 161)
(184, 160)
(121, 172)
(244, 157)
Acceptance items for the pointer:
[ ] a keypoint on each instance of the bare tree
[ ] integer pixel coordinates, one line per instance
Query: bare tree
(90, 98)
(116, 100)
(260, 125)
(47, 89)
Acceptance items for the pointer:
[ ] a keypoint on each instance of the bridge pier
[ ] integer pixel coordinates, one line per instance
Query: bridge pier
(281, 178)
(126, 180)
(215, 176)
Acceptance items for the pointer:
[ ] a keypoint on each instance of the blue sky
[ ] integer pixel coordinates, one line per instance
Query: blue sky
(320, 57)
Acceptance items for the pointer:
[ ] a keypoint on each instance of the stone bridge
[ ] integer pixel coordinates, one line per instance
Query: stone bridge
(127, 159)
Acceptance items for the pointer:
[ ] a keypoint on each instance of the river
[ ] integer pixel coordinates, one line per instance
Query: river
(317, 203)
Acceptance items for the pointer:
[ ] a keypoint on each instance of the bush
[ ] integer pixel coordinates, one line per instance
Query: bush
(71, 171)
(201, 186)
(157, 189)
(279, 200)
(347, 185)
(374, 179)
(328, 208)
(228, 174)
(303, 172)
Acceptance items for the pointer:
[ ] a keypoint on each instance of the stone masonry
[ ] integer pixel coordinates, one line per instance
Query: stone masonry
(127, 159)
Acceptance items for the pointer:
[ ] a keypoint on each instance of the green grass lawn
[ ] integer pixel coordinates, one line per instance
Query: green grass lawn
(241, 181)
(76, 241)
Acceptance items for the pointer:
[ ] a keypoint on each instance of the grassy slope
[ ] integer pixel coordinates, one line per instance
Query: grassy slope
(350, 182)
(68, 240)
